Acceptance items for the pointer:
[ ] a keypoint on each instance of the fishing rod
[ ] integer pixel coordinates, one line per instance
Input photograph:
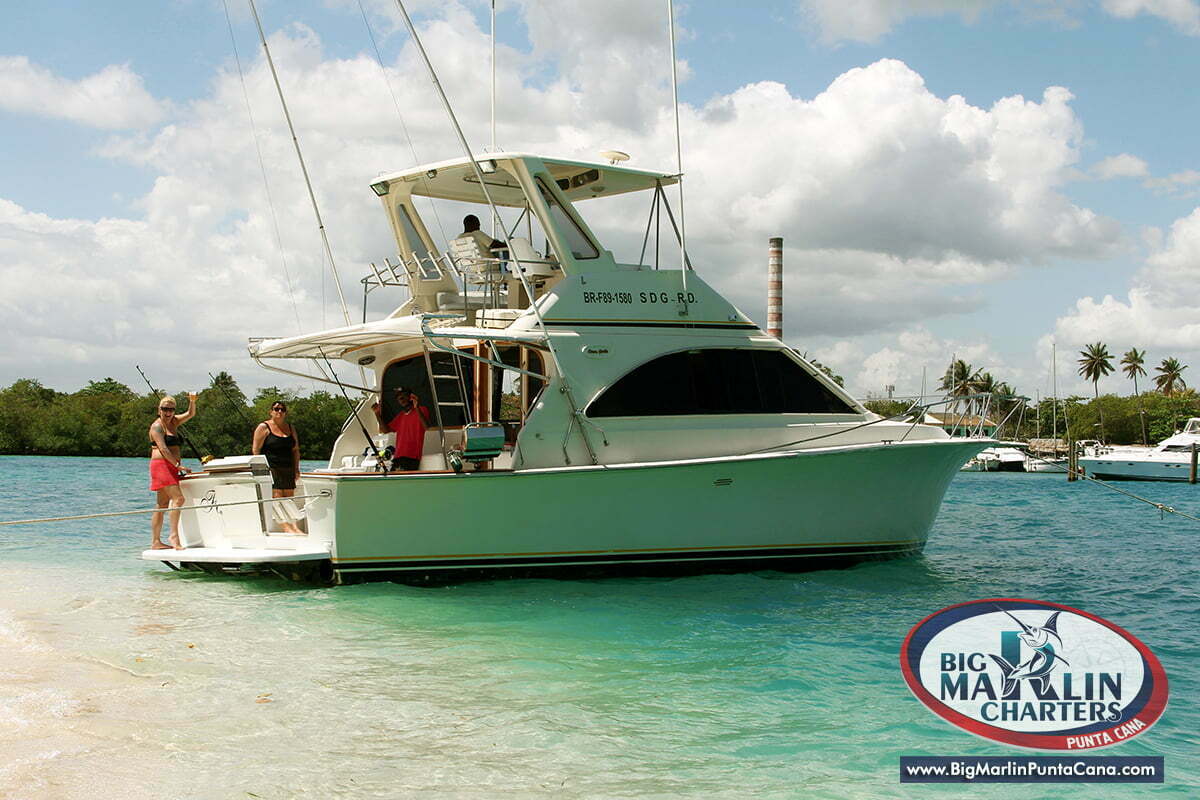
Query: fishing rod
(178, 430)
(354, 413)
(228, 399)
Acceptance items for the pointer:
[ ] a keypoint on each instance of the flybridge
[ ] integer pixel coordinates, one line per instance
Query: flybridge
(544, 236)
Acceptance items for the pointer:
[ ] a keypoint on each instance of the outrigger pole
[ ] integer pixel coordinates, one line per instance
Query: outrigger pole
(178, 431)
(684, 266)
(296, 142)
(576, 416)
(354, 413)
(229, 400)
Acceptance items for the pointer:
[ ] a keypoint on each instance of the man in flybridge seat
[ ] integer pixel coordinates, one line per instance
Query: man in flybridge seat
(471, 231)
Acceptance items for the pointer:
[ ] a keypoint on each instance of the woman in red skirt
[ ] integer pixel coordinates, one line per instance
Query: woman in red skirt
(166, 466)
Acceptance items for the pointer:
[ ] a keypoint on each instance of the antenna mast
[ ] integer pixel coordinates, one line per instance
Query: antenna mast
(311, 195)
(493, 76)
(1054, 379)
(683, 265)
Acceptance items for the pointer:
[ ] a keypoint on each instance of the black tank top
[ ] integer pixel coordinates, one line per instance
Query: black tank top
(278, 450)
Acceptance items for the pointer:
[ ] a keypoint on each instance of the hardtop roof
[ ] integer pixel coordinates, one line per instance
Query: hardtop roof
(454, 179)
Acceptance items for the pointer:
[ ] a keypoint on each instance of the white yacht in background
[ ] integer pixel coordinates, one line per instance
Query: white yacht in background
(1171, 460)
(997, 459)
(588, 415)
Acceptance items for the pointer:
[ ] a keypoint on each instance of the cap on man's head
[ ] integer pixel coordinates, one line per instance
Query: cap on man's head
(401, 390)
(470, 223)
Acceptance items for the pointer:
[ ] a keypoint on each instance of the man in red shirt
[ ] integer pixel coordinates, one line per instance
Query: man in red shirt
(408, 425)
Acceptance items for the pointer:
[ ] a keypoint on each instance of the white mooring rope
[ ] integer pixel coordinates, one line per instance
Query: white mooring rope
(202, 506)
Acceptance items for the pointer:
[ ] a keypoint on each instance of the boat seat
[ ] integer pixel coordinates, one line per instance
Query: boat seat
(473, 259)
(482, 441)
(532, 263)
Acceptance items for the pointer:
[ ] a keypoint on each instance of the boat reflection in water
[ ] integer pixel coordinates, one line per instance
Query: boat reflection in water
(588, 415)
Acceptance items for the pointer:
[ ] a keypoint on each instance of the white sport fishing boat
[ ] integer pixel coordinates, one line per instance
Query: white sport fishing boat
(628, 418)
(997, 459)
(1171, 460)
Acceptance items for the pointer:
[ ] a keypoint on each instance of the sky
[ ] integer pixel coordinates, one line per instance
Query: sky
(990, 180)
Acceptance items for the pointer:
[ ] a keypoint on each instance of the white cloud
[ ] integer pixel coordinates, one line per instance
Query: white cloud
(113, 98)
(907, 197)
(627, 79)
(900, 363)
(868, 20)
(896, 204)
(1176, 182)
(1120, 166)
(1161, 312)
(1183, 14)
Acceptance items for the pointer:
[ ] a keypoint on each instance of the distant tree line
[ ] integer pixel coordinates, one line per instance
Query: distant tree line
(107, 418)
(1141, 418)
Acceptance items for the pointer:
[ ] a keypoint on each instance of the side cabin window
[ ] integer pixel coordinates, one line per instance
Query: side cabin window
(581, 246)
(411, 374)
(718, 381)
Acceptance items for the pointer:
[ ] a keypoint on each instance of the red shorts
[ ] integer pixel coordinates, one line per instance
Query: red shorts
(162, 474)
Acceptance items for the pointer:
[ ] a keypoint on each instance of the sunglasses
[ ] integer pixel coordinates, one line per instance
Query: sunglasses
(167, 408)
(279, 408)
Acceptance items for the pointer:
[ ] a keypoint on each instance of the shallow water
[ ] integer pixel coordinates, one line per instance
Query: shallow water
(119, 678)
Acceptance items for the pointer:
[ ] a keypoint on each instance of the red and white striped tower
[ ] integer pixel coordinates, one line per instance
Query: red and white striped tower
(775, 287)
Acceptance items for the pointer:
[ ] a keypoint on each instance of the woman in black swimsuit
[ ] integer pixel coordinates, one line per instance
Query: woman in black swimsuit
(277, 440)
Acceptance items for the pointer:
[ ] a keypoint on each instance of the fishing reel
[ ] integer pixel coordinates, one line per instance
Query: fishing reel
(381, 461)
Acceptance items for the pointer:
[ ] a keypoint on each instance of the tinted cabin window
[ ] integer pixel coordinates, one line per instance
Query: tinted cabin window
(412, 374)
(718, 382)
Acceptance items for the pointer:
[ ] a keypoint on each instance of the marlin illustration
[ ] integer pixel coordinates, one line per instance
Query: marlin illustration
(1041, 663)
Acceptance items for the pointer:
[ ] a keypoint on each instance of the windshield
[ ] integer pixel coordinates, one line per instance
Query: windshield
(581, 246)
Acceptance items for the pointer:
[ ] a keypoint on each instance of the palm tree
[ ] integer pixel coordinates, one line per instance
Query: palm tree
(1096, 362)
(985, 384)
(1169, 379)
(1131, 365)
(959, 381)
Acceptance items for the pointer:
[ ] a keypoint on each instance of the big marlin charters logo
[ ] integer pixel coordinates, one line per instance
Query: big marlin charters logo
(1034, 674)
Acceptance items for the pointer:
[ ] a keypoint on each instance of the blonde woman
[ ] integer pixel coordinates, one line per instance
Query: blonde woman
(166, 466)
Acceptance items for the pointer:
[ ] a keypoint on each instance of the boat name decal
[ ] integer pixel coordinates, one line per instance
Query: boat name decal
(1034, 674)
(643, 298)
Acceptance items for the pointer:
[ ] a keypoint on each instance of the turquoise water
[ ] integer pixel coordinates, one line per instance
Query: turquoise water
(119, 678)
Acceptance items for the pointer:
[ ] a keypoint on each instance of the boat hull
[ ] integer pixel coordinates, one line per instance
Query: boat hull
(799, 510)
(1114, 468)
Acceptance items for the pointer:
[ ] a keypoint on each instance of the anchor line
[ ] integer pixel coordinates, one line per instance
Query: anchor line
(1163, 508)
(202, 506)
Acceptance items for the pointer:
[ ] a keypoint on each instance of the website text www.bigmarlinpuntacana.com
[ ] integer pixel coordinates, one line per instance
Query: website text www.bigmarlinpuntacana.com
(1031, 769)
